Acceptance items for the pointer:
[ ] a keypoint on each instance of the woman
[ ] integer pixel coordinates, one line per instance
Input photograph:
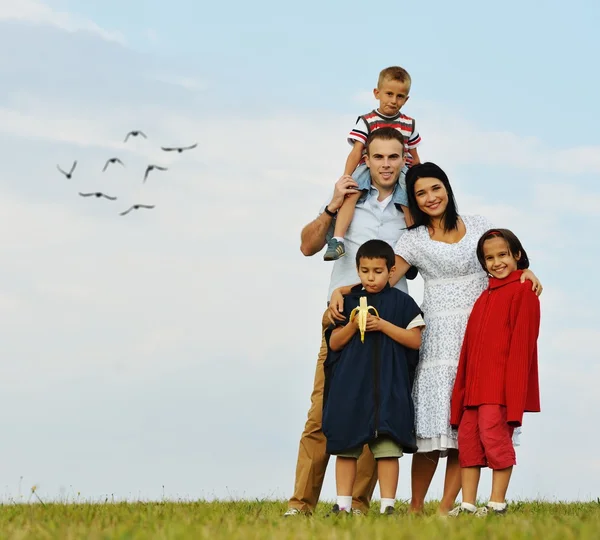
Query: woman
(442, 245)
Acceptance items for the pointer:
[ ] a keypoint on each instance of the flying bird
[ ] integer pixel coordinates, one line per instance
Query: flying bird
(135, 134)
(179, 148)
(98, 194)
(135, 207)
(151, 167)
(112, 160)
(68, 175)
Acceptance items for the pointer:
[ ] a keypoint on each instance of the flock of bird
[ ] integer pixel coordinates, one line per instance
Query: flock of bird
(114, 160)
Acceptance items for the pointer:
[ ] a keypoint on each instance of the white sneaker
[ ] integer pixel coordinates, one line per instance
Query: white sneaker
(291, 512)
(484, 511)
(457, 510)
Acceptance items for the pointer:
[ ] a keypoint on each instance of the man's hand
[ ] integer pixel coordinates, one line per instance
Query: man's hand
(346, 185)
(336, 307)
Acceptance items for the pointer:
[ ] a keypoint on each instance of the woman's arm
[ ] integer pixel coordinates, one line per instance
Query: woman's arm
(401, 267)
(536, 286)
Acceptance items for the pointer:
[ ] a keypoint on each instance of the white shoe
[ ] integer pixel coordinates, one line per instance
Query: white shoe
(457, 510)
(484, 511)
(292, 512)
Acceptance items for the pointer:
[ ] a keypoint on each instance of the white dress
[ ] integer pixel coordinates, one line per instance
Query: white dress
(453, 280)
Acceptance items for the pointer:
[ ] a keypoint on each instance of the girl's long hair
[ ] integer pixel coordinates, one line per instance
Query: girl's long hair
(430, 170)
(514, 245)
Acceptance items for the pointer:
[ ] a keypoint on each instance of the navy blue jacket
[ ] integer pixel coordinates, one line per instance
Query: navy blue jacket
(368, 385)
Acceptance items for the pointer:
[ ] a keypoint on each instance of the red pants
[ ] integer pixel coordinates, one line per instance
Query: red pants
(485, 439)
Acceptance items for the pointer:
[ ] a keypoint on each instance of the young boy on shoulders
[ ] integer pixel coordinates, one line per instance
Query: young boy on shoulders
(392, 92)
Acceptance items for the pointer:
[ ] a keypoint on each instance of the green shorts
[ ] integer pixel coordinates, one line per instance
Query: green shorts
(382, 447)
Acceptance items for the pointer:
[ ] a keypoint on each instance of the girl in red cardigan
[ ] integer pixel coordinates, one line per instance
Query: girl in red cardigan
(497, 377)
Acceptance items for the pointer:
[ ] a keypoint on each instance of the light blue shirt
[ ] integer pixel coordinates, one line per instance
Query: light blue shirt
(372, 219)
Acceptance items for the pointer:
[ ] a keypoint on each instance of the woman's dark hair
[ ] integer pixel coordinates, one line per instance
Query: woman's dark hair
(430, 170)
(376, 249)
(513, 243)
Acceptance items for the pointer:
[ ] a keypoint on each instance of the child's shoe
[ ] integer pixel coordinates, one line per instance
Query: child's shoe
(335, 250)
(389, 511)
(337, 511)
(484, 511)
(464, 508)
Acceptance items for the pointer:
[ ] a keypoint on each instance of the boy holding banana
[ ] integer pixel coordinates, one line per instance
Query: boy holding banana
(368, 376)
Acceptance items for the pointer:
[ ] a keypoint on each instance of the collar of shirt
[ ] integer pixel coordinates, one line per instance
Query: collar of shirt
(372, 198)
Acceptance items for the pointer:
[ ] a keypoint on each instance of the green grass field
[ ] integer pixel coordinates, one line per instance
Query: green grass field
(262, 520)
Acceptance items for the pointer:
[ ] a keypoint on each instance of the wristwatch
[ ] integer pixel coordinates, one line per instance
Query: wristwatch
(330, 213)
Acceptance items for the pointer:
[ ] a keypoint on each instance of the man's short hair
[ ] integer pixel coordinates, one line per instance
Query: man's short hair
(376, 249)
(394, 73)
(386, 134)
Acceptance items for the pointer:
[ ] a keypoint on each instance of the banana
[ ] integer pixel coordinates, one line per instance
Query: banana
(361, 312)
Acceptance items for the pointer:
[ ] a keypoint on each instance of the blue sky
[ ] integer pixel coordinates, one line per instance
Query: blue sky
(157, 350)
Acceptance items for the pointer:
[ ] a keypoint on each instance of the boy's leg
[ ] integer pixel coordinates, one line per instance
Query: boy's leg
(366, 480)
(412, 272)
(408, 219)
(387, 453)
(312, 455)
(335, 246)
(496, 436)
(345, 474)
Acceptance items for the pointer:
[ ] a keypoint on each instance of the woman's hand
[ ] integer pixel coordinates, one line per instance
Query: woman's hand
(336, 307)
(536, 286)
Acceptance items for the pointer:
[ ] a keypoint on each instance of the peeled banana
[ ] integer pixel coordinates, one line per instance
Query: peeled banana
(361, 312)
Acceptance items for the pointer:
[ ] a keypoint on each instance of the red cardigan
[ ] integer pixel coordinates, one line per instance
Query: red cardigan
(498, 361)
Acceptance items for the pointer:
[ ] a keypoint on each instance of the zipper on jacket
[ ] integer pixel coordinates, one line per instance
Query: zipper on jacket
(376, 376)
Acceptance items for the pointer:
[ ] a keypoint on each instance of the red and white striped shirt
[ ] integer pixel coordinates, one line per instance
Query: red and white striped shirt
(375, 120)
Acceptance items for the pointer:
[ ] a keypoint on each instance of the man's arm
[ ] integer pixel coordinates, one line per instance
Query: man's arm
(313, 235)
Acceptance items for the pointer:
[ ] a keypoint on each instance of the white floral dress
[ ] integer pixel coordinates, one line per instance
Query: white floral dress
(453, 280)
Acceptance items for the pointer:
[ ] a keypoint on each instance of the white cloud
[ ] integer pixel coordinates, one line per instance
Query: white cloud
(151, 334)
(39, 13)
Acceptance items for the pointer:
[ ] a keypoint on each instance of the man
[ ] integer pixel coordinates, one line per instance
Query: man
(375, 216)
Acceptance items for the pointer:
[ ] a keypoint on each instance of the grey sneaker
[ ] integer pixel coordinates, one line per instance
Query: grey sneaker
(389, 511)
(458, 510)
(335, 250)
(484, 511)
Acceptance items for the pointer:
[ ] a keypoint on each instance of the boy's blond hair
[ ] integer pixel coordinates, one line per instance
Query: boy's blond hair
(394, 73)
